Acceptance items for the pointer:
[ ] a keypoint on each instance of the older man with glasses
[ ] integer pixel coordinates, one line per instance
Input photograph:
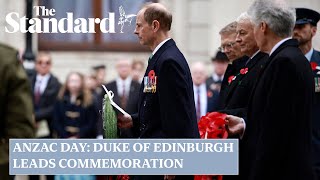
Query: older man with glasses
(237, 60)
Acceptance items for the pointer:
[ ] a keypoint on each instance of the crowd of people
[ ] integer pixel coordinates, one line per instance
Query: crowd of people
(266, 78)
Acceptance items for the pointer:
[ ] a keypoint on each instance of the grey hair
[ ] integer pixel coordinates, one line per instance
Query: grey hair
(244, 17)
(229, 29)
(276, 14)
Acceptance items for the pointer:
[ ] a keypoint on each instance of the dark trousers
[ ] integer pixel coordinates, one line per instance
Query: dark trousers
(4, 172)
(37, 177)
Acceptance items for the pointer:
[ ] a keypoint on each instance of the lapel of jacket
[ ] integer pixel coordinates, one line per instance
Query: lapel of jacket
(235, 82)
(131, 91)
(315, 57)
(33, 81)
(151, 65)
(46, 90)
(114, 88)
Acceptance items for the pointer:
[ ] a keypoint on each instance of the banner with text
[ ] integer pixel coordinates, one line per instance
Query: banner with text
(124, 156)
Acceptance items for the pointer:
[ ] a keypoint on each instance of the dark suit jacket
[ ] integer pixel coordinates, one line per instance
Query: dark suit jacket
(232, 69)
(44, 110)
(278, 128)
(316, 118)
(132, 103)
(170, 111)
(212, 99)
(213, 84)
(239, 90)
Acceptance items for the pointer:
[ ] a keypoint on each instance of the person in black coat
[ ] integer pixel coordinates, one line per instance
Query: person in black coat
(74, 112)
(220, 63)
(237, 60)
(166, 106)
(241, 83)
(126, 93)
(304, 30)
(45, 88)
(278, 125)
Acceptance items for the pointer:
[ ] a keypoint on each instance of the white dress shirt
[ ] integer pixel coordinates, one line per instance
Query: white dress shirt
(127, 83)
(42, 82)
(203, 98)
(216, 78)
(309, 54)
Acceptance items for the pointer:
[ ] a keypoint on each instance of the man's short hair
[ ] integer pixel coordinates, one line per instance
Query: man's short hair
(136, 62)
(276, 14)
(43, 54)
(152, 13)
(229, 29)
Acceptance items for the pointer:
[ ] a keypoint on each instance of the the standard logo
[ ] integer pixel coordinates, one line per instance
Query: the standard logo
(65, 25)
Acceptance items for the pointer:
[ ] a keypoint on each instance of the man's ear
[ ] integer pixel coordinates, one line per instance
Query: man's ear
(155, 25)
(313, 30)
(263, 26)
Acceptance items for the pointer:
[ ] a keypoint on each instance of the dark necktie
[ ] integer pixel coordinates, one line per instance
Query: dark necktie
(37, 93)
(150, 57)
(123, 98)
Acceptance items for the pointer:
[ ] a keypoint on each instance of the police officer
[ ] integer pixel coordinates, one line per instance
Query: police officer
(304, 30)
(15, 105)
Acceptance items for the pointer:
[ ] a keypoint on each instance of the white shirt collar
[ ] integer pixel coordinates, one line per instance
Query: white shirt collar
(126, 82)
(203, 98)
(216, 78)
(159, 46)
(309, 54)
(42, 81)
(279, 44)
(254, 54)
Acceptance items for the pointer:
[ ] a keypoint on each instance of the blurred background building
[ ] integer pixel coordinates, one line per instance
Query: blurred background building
(196, 24)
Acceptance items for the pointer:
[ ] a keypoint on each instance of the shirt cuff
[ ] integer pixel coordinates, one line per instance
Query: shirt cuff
(244, 128)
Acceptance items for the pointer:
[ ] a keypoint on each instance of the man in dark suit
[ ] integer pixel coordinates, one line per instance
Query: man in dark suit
(166, 95)
(278, 125)
(304, 30)
(206, 99)
(237, 60)
(126, 93)
(220, 63)
(45, 88)
(241, 83)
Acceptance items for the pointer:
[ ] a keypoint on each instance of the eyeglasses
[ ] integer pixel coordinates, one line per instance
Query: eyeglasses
(228, 45)
(44, 62)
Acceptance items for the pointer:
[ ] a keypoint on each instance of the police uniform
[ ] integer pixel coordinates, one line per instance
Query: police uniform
(15, 105)
(305, 16)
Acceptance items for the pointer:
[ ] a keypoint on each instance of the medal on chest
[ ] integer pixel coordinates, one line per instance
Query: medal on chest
(150, 82)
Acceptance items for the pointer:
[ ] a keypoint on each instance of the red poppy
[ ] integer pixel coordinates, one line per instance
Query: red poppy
(209, 94)
(244, 71)
(313, 65)
(151, 74)
(123, 177)
(230, 79)
(207, 177)
(212, 126)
